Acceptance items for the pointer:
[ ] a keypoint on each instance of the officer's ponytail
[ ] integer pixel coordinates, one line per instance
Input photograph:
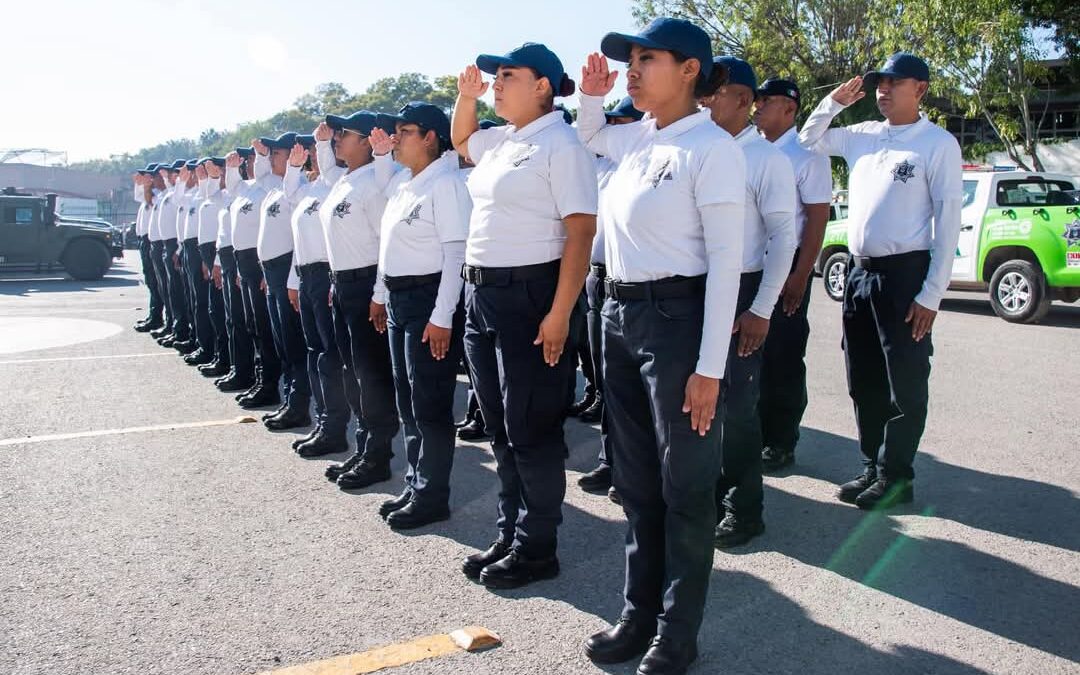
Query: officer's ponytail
(566, 86)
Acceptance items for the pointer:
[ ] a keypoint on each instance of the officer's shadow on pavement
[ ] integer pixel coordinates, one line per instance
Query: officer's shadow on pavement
(25, 285)
(948, 577)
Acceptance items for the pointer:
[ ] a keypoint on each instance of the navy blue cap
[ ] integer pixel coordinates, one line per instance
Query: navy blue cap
(490, 124)
(150, 169)
(191, 164)
(673, 35)
(422, 114)
(900, 66)
(175, 166)
(738, 71)
(529, 55)
(775, 86)
(362, 121)
(306, 140)
(218, 161)
(246, 152)
(625, 109)
(285, 141)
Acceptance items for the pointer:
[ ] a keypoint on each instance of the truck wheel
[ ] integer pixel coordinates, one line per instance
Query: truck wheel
(1018, 292)
(834, 274)
(86, 259)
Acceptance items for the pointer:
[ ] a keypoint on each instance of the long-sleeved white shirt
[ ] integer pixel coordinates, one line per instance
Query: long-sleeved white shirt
(424, 228)
(187, 202)
(769, 238)
(208, 213)
(275, 231)
(905, 189)
(674, 207)
(351, 218)
(247, 198)
(309, 242)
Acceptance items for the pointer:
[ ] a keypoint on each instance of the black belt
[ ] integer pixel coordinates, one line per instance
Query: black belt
(661, 289)
(599, 270)
(886, 263)
(404, 283)
(501, 276)
(276, 259)
(312, 267)
(354, 274)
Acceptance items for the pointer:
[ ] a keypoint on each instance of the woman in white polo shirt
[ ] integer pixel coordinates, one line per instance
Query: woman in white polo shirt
(673, 227)
(421, 250)
(530, 234)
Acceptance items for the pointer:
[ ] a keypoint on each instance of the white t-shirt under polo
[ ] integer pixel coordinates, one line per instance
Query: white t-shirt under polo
(897, 177)
(813, 176)
(526, 181)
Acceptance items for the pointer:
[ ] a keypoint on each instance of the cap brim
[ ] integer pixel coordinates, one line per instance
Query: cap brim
(619, 45)
(336, 122)
(870, 79)
(489, 63)
(389, 122)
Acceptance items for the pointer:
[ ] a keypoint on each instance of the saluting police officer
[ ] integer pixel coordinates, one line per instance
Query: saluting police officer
(167, 216)
(783, 396)
(157, 247)
(599, 479)
(673, 218)
(197, 282)
(530, 233)
(421, 250)
(275, 249)
(906, 191)
(207, 218)
(244, 211)
(768, 245)
(147, 188)
(351, 216)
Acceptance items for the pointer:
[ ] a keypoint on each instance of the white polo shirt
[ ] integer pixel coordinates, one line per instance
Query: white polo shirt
(153, 229)
(144, 216)
(224, 233)
(604, 168)
(275, 214)
(661, 208)
(526, 181)
(424, 225)
(209, 209)
(167, 212)
(309, 242)
(351, 218)
(245, 209)
(187, 224)
(905, 187)
(813, 176)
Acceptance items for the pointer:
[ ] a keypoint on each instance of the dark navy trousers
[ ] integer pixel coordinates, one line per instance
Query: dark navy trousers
(326, 370)
(425, 392)
(594, 291)
(366, 356)
(783, 375)
(198, 295)
(177, 295)
(257, 315)
(664, 471)
(888, 371)
(523, 401)
(215, 302)
(739, 488)
(288, 335)
(241, 345)
(156, 306)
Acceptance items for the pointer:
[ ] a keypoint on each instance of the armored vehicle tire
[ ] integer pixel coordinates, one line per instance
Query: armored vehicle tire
(86, 259)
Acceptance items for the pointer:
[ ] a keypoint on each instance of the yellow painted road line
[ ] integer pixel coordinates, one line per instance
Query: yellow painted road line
(470, 639)
(129, 430)
(12, 362)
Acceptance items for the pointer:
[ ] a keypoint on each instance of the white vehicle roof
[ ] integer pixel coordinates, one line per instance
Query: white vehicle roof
(1015, 175)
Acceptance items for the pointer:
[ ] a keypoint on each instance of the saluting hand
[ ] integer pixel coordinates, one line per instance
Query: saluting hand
(752, 330)
(323, 132)
(260, 147)
(552, 334)
(377, 316)
(200, 172)
(298, 156)
(921, 320)
(849, 92)
(438, 338)
(470, 83)
(596, 78)
(294, 299)
(381, 142)
(232, 160)
(702, 394)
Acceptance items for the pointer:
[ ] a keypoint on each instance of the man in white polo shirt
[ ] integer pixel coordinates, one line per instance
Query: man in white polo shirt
(906, 191)
(783, 370)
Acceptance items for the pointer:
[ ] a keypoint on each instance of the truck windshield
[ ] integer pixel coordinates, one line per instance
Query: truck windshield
(1032, 192)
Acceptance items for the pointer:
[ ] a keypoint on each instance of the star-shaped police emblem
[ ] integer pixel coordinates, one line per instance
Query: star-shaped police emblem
(247, 207)
(342, 209)
(312, 208)
(413, 215)
(273, 210)
(1072, 233)
(903, 171)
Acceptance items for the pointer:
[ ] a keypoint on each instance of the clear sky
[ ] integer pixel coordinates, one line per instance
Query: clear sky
(100, 78)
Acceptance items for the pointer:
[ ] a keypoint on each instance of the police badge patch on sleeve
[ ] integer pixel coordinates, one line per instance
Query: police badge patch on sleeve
(903, 171)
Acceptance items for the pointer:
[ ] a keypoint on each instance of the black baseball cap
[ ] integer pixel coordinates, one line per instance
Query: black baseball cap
(900, 66)
(775, 86)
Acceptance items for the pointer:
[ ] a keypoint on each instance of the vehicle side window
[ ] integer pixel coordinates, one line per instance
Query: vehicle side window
(1030, 192)
(19, 215)
(969, 192)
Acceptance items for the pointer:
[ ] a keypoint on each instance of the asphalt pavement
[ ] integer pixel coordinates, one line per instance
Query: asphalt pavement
(215, 549)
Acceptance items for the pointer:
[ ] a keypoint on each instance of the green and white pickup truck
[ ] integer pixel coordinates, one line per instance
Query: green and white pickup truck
(1019, 239)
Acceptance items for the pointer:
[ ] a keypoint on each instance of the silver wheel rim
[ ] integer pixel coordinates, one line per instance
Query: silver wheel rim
(836, 279)
(1014, 292)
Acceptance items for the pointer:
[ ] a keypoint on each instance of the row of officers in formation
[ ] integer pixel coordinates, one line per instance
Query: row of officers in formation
(666, 245)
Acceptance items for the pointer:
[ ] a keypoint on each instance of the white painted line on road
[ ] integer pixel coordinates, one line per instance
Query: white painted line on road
(85, 358)
(244, 419)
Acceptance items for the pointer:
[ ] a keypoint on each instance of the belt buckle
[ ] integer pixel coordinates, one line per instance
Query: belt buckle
(609, 287)
(477, 275)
